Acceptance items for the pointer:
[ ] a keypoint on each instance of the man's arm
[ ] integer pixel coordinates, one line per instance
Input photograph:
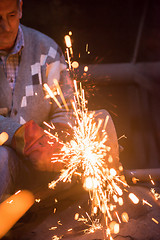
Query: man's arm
(60, 116)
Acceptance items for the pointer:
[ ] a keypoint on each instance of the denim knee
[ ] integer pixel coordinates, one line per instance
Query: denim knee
(7, 171)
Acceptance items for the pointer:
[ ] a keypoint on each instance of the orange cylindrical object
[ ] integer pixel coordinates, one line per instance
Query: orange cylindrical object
(12, 209)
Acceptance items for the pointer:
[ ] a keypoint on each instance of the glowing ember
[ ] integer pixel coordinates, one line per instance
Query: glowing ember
(69, 230)
(145, 202)
(68, 41)
(113, 172)
(151, 180)
(75, 64)
(59, 223)
(135, 180)
(156, 195)
(120, 201)
(69, 49)
(76, 217)
(154, 220)
(114, 227)
(134, 198)
(86, 69)
(125, 217)
(56, 238)
(52, 228)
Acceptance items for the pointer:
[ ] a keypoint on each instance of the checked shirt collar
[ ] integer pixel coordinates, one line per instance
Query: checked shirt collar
(11, 61)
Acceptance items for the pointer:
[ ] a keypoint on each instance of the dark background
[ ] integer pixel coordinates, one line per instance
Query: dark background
(110, 27)
(116, 31)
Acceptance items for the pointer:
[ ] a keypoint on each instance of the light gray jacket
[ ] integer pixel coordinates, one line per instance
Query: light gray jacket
(41, 62)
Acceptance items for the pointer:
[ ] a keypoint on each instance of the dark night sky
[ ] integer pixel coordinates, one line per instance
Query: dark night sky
(110, 27)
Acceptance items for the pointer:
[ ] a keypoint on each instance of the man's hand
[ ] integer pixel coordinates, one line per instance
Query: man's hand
(31, 141)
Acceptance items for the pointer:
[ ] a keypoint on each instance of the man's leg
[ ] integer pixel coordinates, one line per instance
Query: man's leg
(8, 171)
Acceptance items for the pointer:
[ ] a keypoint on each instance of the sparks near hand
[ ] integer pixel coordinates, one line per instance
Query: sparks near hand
(86, 155)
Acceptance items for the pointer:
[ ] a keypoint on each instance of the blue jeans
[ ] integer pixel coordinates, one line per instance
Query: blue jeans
(17, 173)
(9, 169)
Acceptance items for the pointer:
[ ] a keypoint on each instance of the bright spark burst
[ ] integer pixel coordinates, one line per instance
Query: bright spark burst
(96, 225)
(86, 155)
(91, 225)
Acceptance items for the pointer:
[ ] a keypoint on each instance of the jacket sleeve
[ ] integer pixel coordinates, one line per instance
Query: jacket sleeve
(55, 69)
(57, 72)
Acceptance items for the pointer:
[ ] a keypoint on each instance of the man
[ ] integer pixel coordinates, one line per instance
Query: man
(28, 59)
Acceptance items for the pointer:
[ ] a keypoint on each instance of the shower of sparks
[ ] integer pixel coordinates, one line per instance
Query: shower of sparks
(95, 225)
(91, 224)
(86, 155)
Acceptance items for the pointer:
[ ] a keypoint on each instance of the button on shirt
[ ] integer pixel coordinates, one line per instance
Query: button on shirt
(11, 60)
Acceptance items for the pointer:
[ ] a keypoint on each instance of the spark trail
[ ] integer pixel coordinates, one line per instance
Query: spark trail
(86, 155)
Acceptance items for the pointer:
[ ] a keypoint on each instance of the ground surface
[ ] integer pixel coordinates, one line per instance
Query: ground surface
(51, 220)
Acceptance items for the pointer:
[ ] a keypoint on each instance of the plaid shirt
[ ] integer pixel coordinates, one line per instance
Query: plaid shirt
(11, 61)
